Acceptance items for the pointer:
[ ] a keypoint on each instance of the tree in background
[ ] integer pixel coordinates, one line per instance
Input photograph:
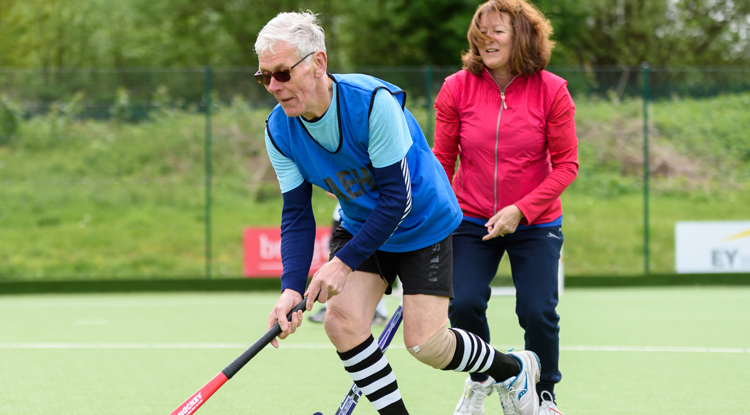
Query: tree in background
(127, 33)
(70, 33)
(404, 32)
(667, 32)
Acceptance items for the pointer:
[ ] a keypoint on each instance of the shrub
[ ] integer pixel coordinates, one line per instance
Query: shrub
(9, 116)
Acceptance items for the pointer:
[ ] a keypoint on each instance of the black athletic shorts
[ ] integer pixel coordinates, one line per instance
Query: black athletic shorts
(425, 271)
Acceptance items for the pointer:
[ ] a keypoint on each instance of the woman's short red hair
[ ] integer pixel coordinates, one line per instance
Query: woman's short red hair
(532, 46)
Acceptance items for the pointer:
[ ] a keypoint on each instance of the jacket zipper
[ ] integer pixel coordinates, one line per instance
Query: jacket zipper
(497, 137)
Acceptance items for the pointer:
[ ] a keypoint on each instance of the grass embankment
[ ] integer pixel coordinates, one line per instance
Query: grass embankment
(101, 199)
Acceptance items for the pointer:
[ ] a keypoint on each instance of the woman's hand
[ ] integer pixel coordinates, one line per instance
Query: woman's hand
(504, 222)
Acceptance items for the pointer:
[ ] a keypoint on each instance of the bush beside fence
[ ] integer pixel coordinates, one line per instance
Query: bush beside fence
(103, 174)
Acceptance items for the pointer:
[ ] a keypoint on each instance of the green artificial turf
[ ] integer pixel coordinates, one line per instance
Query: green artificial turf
(623, 351)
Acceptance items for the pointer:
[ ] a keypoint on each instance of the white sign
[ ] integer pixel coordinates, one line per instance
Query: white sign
(715, 246)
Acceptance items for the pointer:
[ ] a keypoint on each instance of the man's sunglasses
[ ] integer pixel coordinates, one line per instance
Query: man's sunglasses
(282, 75)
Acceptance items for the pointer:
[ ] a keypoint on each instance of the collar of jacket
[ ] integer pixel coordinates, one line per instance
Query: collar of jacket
(514, 83)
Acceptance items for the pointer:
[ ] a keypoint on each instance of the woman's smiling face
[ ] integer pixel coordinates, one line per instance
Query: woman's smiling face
(496, 51)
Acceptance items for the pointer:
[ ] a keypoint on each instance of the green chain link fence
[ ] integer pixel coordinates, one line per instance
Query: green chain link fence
(154, 173)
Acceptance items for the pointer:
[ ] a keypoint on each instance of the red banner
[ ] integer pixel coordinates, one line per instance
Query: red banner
(262, 248)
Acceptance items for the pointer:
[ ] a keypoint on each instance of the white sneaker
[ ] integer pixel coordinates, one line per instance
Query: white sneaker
(472, 401)
(518, 394)
(318, 317)
(548, 405)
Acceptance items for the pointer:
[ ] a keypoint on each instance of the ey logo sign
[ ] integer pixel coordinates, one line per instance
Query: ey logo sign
(712, 246)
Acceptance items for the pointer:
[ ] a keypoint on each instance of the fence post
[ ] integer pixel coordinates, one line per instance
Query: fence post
(645, 67)
(428, 103)
(207, 101)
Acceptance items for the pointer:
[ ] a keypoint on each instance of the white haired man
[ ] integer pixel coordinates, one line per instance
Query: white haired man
(353, 136)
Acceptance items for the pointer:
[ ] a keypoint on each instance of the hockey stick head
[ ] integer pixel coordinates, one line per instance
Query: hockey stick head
(199, 398)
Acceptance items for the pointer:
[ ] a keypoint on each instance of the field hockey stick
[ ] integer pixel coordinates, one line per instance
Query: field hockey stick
(352, 397)
(199, 398)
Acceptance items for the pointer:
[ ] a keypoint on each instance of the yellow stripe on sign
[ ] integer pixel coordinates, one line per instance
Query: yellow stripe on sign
(737, 236)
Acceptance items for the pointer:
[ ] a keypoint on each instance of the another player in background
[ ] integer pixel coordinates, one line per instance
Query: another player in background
(352, 136)
(381, 311)
(512, 126)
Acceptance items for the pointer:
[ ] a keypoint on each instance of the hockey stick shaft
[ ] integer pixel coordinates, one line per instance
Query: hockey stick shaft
(199, 398)
(352, 397)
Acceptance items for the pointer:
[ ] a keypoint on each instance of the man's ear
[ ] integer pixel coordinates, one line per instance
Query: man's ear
(320, 61)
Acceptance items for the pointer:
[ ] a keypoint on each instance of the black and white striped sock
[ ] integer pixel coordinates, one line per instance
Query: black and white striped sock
(372, 374)
(475, 356)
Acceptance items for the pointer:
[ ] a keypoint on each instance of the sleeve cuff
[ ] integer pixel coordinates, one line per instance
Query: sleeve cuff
(351, 257)
(296, 284)
(528, 216)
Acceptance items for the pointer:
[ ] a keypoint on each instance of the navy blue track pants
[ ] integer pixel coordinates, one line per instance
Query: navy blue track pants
(534, 259)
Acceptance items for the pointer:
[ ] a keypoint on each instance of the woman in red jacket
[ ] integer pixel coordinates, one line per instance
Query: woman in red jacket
(511, 125)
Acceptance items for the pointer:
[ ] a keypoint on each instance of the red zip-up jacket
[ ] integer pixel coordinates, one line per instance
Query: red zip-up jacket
(517, 144)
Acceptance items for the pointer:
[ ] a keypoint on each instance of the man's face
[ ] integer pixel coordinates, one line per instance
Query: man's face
(295, 96)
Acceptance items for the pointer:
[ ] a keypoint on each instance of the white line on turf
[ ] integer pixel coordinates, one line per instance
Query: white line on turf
(503, 291)
(701, 293)
(91, 322)
(329, 346)
(706, 294)
(122, 346)
(115, 303)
